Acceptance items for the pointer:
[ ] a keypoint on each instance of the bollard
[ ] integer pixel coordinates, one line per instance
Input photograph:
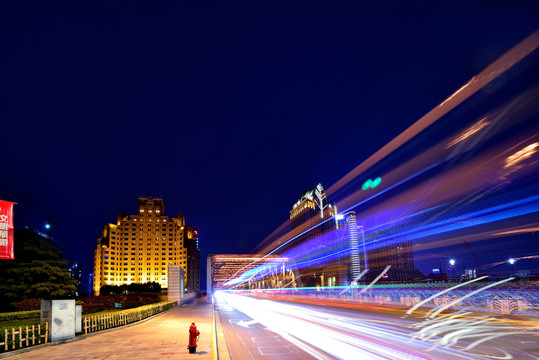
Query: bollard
(193, 338)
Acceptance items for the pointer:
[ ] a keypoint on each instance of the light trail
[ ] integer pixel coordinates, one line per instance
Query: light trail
(376, 279)
(476, 83)
(465, 173)
(448, 150)
(416, 306)
(472, 293)
(343, 334)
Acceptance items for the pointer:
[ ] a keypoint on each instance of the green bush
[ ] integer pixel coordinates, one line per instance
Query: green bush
(20, 315)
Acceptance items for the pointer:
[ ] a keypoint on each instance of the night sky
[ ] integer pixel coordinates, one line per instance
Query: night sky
(228, 110)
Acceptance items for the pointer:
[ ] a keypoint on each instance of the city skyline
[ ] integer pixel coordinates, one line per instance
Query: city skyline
(229, 122)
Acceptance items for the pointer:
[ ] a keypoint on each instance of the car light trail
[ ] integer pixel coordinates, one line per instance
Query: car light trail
(465, 174)
(345, 335)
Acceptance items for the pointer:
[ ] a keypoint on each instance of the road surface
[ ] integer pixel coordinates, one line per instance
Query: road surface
(258, 328)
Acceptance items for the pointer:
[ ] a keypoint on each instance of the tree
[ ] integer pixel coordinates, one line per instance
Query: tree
(38, 272)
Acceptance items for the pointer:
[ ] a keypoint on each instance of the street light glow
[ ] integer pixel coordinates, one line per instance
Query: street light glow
(452, 262)
(512, 261)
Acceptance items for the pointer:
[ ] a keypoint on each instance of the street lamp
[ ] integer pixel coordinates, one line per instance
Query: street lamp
(452, 263)
(512, 262)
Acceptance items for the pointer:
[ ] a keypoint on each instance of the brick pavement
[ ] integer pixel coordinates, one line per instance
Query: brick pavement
(165, 336)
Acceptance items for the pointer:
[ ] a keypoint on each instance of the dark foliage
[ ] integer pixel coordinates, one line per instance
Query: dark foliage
(19, 315)
(38, 271)
(93, 304)
(28, 304)
(134, 288)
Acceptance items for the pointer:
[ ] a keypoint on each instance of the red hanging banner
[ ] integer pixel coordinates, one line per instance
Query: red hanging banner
(6, 230)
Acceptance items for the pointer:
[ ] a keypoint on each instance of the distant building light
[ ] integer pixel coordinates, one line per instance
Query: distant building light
(47, 226)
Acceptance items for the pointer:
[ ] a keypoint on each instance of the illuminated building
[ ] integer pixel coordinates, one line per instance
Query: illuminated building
(323, 249)
(351, 242)
(326, 251)
(192, 278)
(326, 248)
(226, 267)
(139, 248)
(75, 271)
(311, 208)
(310, 216)
(387, 249)
(399, 256)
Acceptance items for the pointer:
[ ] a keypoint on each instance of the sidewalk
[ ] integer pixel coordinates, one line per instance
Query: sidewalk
(164, 336)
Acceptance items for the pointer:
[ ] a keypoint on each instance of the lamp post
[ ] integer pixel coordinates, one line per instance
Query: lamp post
(512, 262)
(452, 263)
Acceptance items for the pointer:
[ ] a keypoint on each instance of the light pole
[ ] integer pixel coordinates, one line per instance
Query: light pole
(452, 263)
(512, 262)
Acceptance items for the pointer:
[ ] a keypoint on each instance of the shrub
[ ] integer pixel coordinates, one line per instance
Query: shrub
(29, 304)
(134, 288)
(107, 302)
(92, 308)
(20, 315)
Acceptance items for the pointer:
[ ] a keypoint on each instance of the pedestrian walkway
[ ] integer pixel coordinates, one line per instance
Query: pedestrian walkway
(165, 336)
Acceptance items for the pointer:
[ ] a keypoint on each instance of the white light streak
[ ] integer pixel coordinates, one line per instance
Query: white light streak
(377, 278)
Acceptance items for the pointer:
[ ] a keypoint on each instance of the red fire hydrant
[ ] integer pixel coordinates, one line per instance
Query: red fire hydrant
(193, 338)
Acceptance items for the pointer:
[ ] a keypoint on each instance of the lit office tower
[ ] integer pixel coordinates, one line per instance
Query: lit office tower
(192, 277)
(139, 248)
(311, 229)
(309, 215)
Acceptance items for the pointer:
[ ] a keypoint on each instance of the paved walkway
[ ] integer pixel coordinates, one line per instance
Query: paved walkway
(165, 336)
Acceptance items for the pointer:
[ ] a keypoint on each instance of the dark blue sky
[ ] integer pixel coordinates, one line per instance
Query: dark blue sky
(227, 110)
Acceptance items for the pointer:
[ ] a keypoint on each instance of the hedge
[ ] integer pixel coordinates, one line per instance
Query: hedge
(20, 315)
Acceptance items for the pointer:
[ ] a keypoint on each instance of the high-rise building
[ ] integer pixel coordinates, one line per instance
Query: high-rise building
(311, 227)
(400, 259)
(309, 215)
(139, 248)
(330, 248)
(192, 278)
(76, 273)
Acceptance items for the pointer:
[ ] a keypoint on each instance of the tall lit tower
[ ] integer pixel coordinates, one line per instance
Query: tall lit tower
(311, 207)
(139, 248)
